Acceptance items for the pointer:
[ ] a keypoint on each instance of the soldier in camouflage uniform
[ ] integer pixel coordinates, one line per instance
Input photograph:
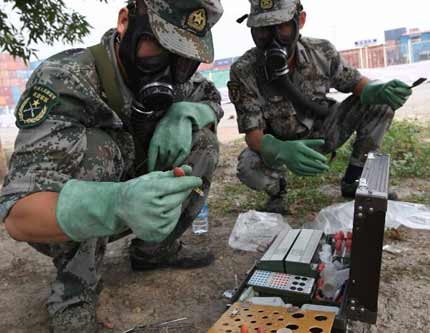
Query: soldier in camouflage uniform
(284, 131)
(88, 166)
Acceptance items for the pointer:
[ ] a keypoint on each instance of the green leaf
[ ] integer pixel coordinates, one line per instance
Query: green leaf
(42, 21)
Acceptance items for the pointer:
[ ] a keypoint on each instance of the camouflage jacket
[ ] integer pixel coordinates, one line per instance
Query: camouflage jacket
(319, 67)
(50, 151)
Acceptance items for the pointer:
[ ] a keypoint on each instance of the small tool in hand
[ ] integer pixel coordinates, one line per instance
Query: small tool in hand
(418, 82)
(179, 172)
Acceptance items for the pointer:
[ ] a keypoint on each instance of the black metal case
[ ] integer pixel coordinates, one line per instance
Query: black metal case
(368, 235)
(361, 295)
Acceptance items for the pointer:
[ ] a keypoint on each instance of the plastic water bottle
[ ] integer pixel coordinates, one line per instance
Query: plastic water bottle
(329, 286)
(201, 223)
(325, 254)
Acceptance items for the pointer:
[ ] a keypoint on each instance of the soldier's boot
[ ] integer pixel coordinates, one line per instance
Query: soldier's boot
(177, 255)
(278, 203)
(349, 183)
(80, 317)
(348, 189)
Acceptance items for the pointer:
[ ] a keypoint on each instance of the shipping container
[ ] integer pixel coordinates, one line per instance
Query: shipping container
(352, 57)
(23, 74)
(375, 56)
(35, 64)
(365, 57)
(219, 78)
(223, 62)
(14, 74)
(394, 34)
(221, 68)
(205, 67)
(16, 93)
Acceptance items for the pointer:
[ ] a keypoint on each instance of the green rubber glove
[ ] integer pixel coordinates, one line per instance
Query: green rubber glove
(297, 155)
(149, 205)
(171, 143)
(394, 93)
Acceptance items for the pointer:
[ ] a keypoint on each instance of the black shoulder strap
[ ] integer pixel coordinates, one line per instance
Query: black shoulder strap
(107, 77)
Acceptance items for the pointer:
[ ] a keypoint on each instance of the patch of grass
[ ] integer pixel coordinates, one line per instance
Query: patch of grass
(406, 142)
(305, 195)
(409, 151)
(421, 199)
(236, 198)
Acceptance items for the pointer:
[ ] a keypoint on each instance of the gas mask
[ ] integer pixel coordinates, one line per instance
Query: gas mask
(151, 79)
(277, 48)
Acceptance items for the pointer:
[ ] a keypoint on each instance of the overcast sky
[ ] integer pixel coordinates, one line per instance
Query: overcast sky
(340, 21)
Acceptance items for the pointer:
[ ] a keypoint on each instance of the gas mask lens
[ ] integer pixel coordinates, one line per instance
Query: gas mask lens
(285, 33)
(154, 63)
(159, 73)
(262, 36)
(184, 68)
(275, 35)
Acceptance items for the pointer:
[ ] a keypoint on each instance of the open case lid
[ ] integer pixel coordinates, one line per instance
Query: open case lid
(368, 235)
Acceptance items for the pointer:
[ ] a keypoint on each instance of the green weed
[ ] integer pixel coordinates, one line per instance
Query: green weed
(408, 145)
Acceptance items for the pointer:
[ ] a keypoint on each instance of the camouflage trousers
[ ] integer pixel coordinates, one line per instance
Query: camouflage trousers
(368, 122)
(79, 264)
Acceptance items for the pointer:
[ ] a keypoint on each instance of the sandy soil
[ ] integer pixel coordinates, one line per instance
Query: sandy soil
(131, 298)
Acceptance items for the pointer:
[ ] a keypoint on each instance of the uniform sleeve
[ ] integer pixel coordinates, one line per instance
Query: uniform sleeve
(248, 110)
(344, 77)
(201, 90)
(45, 156)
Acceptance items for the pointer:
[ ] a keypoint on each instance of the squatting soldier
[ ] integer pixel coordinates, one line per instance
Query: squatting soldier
(279, 90)
(100, 128)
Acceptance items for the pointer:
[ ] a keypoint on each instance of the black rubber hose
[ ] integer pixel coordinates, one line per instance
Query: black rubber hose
(284, 84)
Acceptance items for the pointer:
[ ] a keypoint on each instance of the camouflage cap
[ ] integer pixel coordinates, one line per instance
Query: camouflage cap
(271, 12)
(183, 27)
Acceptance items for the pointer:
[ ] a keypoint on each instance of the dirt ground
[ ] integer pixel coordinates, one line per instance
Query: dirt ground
(130, 298)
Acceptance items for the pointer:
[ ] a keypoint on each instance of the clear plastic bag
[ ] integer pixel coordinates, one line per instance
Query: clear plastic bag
(255, 230)
(339, 216)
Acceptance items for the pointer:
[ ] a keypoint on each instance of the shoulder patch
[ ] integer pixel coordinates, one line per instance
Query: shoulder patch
(35, 106)
(234, 92)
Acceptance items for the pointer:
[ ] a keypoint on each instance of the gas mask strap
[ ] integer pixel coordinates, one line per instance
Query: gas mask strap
(108, 80)
(292, 49)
